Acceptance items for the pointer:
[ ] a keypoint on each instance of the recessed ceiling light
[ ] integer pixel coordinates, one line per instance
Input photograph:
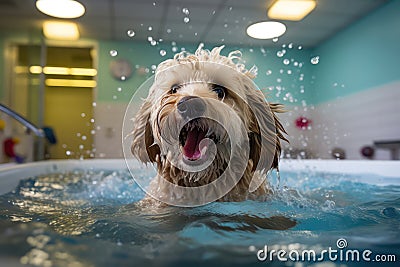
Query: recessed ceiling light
(291, 9)
(266, 30)
(66, 9)
(60, 30)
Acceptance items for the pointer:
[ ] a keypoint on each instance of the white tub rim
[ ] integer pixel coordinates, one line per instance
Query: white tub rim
(388, 171)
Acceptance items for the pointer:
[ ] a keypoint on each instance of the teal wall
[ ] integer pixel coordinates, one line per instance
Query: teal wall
(361, 57)
(294, 78)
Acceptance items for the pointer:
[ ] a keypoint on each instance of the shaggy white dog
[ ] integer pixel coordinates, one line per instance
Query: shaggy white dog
(208, 129)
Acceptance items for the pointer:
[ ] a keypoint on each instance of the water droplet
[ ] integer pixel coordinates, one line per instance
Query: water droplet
(123, 78)
(149, 38)
(195, 34)
(153, 42)
(290, 46)
(213, 12)
(225, 25)
(150, 28)
(68, 153)
(289, 72)
(286, 61)
(94, 104)
(154, 3)
(299, 47)
(113, 53)
(92, 132)
(269, 72)
(174, 49)
(185, 11)
(84, 137)
(130, 33)
(315, 60)
(251, 50)
(119, 89)
(169, 30)
(279, 80)
(230, 8)
(280, 53)
(186, 19)
(153, 67)
(83, 115)
(114, 97)
(163, 53)
(275, 40)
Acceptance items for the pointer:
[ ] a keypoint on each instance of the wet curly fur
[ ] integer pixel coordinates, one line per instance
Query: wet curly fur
(149, 147)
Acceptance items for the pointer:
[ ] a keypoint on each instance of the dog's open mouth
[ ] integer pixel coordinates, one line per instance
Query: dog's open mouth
(193, 139)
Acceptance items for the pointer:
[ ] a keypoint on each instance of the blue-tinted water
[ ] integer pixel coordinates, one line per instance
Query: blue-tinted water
(89, 218)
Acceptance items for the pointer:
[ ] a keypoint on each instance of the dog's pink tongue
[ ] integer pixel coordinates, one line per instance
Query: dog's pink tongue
(191, 149)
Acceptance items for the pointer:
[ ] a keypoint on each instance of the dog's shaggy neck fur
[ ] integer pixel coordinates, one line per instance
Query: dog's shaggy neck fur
(147, 144)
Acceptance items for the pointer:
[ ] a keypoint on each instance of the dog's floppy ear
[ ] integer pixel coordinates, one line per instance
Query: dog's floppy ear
(265, 131)
(143, 146)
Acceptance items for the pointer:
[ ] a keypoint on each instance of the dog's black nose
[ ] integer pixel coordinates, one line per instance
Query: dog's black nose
(191, 106)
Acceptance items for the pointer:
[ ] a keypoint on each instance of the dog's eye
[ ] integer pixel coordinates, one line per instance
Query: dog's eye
(174, 88)
(219, 90)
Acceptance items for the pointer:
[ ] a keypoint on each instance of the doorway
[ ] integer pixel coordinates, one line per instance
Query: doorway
(58, 96)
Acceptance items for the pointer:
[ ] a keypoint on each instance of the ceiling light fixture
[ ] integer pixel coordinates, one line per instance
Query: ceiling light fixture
(60, 30)
(266, 30)
(294, 10)
(65, 9)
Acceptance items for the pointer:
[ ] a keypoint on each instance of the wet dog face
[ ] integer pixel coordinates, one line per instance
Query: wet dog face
(203, 111)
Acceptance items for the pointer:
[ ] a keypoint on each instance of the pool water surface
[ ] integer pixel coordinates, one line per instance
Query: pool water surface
(91, 218)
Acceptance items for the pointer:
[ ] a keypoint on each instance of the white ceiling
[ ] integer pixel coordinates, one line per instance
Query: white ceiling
(211, 21)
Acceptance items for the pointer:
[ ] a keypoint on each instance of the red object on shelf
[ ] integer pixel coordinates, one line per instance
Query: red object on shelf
(303, 122)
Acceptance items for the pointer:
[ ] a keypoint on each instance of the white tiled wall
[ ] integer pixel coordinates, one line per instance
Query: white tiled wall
(354, 121)
(108, 137)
